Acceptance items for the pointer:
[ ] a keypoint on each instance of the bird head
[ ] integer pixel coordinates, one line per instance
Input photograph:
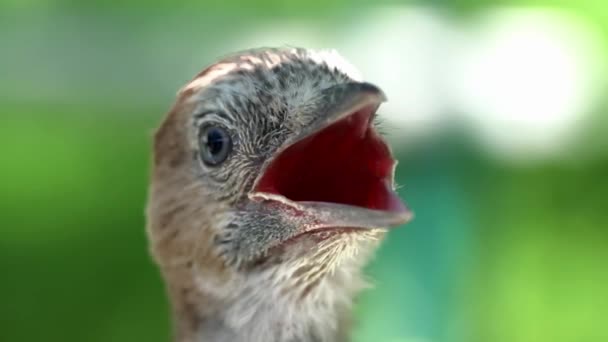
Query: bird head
(270, 163)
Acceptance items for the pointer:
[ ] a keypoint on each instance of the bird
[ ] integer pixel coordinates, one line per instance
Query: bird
(270, 189)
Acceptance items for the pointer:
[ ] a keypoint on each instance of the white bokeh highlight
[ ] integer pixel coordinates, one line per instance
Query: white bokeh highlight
(402, 49)
(524, 79)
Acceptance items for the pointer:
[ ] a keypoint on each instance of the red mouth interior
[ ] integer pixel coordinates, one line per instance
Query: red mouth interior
(346, 162)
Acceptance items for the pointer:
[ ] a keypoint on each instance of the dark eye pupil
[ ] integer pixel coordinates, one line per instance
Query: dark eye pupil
(215, 141)
(215, 145)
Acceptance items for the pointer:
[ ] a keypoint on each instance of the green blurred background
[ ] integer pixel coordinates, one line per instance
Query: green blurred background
(497, 111)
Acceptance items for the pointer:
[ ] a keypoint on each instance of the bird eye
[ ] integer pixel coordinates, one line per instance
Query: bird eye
(215, 145)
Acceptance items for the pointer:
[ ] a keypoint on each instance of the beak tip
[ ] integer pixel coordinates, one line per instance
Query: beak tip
(408, 216)
(374, 90)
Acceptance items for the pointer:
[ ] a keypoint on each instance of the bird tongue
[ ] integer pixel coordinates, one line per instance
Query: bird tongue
(342, 173)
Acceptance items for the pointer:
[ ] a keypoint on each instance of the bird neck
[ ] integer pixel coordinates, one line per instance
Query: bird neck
(261, 307)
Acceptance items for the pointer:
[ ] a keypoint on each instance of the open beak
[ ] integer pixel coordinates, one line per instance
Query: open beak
(338, 173)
